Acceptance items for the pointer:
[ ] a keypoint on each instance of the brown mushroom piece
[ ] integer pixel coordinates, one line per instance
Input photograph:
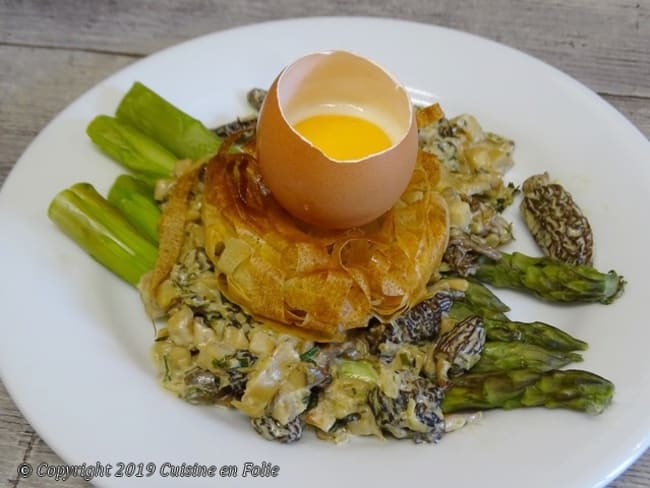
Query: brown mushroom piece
(556, 222)
(459, 349)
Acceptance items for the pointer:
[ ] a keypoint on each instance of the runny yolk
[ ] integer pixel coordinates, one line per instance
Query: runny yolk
(343, 137)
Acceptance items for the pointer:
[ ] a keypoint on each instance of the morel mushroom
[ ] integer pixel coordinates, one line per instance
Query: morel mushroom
(556, 222)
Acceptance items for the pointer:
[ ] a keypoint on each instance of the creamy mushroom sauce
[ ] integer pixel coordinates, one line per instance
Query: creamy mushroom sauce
(385, 379)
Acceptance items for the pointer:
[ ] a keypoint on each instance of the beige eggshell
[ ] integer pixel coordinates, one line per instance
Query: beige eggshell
(310, 185)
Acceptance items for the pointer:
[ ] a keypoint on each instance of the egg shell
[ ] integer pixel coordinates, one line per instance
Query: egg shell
(312, 186)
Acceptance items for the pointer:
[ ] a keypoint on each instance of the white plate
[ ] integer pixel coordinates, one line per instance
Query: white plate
(75, 341)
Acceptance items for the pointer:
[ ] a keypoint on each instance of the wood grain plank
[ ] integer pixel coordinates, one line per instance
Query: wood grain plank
(46, 80)
(635, 109)
(604, 44)
(19, 443)
(15, 437)
(42, 454)
(41, 85)
(638, 476)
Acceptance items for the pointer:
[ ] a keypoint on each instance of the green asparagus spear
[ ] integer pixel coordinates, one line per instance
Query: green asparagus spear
(480, 297)
(135, 200)
(572, 389)
(500, 356)
(462, 309)
(478, 300)
(505, 330)
(535, 333)
(102, 231)
(180, 133)
(551, 280)
(130, 147)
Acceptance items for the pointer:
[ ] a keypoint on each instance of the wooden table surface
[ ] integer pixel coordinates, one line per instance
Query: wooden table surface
(53, 51)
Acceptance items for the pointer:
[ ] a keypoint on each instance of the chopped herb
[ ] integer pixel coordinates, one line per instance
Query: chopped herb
(309, 355)
(240, 359)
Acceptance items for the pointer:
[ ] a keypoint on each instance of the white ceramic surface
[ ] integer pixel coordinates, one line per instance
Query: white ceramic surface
(74, 347)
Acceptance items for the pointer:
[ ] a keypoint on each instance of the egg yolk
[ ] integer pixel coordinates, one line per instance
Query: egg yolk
(343, 137)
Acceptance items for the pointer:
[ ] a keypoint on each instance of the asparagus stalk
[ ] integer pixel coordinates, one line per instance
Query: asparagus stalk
(551, 280)
(571, 389)
(130, 147)
(536, 333)
(502, 356)
(477, 299)
(480, 297)
(103, 232)
(462, 309)
(135, 200)
(180, 133)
